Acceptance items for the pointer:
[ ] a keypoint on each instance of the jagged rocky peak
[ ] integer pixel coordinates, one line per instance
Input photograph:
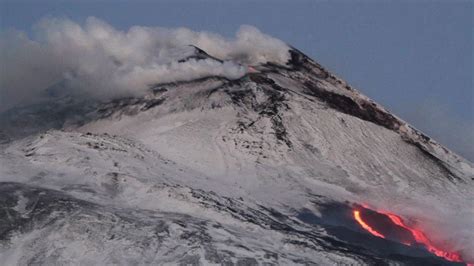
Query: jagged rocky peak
(199, 54)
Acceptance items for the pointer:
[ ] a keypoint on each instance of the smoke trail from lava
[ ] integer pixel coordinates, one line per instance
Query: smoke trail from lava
(446, 233)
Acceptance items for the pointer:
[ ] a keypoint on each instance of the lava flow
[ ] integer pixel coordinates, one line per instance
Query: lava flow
(390, 226)
(366, 226)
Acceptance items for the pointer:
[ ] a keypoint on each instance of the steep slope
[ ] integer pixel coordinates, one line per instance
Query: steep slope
(266, 168)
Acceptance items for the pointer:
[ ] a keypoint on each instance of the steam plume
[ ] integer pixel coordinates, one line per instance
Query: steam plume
(98, 60)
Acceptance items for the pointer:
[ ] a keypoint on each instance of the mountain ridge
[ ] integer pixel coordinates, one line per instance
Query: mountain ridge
(280, 143)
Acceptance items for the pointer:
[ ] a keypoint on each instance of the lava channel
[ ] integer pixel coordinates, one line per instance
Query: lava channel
(390, 226)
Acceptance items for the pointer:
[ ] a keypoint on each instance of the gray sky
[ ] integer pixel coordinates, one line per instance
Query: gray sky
(413, 57)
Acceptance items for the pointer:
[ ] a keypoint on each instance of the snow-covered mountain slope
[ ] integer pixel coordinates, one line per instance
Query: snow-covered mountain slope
(266, 168)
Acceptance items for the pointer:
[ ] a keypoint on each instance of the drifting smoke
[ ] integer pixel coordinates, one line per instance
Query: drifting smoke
(446, 126)
(100, 61)
(448, 228)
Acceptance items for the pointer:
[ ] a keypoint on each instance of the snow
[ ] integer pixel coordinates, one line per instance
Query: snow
(182, 181)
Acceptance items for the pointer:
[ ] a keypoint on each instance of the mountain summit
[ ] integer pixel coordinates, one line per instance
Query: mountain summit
(277, 163)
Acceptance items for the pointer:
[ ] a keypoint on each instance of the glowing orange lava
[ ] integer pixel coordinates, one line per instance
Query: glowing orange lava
(417, 234)
(421, 238)
(366, 226)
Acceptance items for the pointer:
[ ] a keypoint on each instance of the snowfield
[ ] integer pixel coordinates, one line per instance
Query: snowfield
(262, 170)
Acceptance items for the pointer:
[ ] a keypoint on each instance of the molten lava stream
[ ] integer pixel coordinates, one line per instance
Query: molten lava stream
(417, 234)
(421, 238)
(365, 225)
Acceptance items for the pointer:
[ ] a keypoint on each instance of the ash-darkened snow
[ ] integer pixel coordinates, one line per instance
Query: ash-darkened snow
(160, 146)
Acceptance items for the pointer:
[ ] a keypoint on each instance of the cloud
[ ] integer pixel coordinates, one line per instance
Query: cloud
(98, 60)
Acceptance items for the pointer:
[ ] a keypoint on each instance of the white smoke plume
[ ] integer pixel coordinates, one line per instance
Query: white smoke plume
(98, 60)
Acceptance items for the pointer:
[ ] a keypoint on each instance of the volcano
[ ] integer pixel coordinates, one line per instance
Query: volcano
(271, 167)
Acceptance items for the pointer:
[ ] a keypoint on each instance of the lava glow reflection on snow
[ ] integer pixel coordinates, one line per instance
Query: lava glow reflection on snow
(418, 235)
